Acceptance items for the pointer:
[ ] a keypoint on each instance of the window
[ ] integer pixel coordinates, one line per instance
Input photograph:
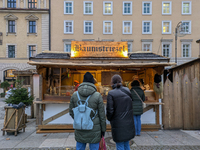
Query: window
(146, 46)
(67, 48)
(11, 3)
(32, 26)
(127, 8)
(88, 8)
(68, 7)
(146, 27)
(186, 49)
(166, 49)
(186, 27)
(68, 27)
(32, 50)
(11, 51)
(186, 8)
(107, 8)
(11, 26)
(146, 8)
(88, 27)
(166, 27)
(166, 8)
(32, 3)
(107, 27)
(129, 47)
(127, 27)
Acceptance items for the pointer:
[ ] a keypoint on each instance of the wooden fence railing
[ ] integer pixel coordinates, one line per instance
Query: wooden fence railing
(181, 100)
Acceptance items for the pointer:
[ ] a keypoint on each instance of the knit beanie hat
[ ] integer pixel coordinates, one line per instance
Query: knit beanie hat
(88, 77)
(157, 78)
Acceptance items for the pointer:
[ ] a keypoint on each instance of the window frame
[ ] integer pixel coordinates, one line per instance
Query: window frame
(190, 7)
(170, 26)
(13, 26)
(65, 7)
(150, 27)
(150, 43)
(190, 49)
(104, 26)
(85, 26)
(104, 2)
(170, 48)
(32, 26)
(67, 43)
(12, 50)
(131, 6)
(124, 26)
(32, 2)
(11, 2)
(84, 2)
(65, 27)
(150, 8)
(190, 26)
(170, 8)
(31, 45)
(131, 46)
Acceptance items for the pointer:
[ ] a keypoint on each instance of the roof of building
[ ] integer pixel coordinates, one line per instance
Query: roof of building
(63, 55)
(52, 55)
(136, 59)
(146, 55)
(187, 63)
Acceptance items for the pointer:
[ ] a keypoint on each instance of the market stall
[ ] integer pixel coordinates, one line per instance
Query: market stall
(103, 59)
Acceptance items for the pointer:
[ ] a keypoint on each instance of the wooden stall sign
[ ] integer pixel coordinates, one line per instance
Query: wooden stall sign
(99, 49)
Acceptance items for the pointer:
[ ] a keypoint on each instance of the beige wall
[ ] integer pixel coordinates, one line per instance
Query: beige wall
(78, 17)
(21, 39)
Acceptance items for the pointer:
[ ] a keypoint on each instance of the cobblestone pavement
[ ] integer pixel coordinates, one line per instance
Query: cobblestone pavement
(157, 140)
(113, 148)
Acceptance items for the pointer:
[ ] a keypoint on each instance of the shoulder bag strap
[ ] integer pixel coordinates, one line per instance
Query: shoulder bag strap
(138, 95)
(126, 92)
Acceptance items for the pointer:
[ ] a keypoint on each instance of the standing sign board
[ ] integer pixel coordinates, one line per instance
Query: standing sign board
(99, 49)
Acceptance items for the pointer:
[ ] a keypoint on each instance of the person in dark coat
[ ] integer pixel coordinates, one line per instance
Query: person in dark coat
(120, 114)
(96, 103)
(137, 105)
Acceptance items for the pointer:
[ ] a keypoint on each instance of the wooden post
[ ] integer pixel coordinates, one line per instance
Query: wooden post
(5, 118)
(16, 121)
(60, 82)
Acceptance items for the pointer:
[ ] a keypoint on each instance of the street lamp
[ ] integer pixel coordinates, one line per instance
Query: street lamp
(179, 32)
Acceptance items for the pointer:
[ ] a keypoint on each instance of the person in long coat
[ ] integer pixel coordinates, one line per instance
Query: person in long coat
(120, 113)
(96, 103)
(137, 105)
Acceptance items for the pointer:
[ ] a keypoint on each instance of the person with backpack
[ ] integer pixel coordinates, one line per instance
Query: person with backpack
(87, 110)
(120, 113)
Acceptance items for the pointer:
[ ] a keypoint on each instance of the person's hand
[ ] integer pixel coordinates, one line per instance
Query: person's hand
(102, 134)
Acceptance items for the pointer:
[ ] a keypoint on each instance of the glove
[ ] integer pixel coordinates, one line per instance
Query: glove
(102, 134)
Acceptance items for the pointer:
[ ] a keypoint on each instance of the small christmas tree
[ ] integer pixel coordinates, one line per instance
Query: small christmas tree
(20, 94)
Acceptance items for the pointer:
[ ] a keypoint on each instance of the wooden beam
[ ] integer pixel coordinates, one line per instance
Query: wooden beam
(55, 116)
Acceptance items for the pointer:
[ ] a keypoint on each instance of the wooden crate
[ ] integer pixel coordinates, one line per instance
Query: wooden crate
(14, 120)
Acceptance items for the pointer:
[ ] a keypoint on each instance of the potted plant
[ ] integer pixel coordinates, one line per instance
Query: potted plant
(18, 95)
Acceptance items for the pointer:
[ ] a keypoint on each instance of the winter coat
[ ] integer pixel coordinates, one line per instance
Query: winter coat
(137, 104)
(96, 103)
(120, 114)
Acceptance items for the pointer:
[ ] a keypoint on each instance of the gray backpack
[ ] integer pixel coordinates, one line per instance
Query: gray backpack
(82, 119)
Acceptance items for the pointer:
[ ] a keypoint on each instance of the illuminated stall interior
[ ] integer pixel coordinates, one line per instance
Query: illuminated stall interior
(58, 71)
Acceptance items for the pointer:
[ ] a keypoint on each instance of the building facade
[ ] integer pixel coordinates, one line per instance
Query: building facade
(24, 32)
(145, 25)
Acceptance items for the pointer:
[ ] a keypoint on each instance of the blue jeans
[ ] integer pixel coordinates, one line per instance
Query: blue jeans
(123, 145)
(81, 146)
(137, 123)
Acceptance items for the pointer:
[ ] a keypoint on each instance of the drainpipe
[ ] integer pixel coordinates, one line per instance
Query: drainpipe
(49, 25)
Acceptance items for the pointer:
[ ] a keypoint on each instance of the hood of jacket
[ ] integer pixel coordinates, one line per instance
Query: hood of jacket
(86, 88)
